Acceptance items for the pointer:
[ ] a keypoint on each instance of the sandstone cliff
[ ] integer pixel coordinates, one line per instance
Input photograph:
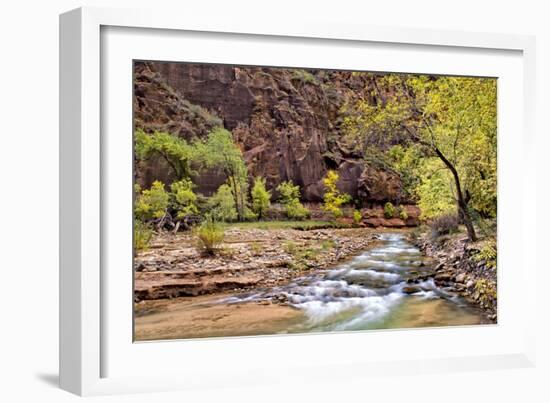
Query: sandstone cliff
(286, 121)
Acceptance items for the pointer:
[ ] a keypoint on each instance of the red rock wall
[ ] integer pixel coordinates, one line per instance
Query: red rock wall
(287, 123)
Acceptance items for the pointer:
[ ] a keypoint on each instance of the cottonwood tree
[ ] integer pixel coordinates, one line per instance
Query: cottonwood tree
(261, 198)
(220, 151)
(452, 119)
(175, 151)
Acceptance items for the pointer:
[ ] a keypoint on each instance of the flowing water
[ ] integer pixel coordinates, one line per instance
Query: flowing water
(370, 291)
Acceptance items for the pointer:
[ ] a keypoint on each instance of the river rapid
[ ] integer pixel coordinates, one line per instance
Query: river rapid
(369, 291)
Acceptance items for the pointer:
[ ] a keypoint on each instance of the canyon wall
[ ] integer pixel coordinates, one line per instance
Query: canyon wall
(287, 122)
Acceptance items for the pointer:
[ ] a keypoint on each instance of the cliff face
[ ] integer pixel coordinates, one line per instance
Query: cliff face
(287, 122)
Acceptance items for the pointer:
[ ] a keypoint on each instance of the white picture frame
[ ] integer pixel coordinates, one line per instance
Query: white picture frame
(93, 331)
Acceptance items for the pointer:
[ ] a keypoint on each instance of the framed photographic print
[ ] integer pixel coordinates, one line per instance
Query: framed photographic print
(236, 194)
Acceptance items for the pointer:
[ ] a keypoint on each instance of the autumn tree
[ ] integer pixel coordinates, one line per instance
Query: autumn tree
(451, 120)
(333, 199)
(152, 204)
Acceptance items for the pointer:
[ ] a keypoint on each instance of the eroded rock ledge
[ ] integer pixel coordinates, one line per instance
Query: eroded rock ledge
(249, 258)
(458, 270)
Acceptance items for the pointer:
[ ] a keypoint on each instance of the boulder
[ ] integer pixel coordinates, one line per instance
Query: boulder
(460, 278)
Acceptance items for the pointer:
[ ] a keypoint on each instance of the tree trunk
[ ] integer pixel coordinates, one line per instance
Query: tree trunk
(465, 216)
(233, 182)
(177, 227)
(461, 201)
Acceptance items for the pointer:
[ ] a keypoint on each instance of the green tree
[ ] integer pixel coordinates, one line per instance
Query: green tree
(184, 199)
(222, 204)
(152, 203)
(333, 198)
(290, 198)
(261, 198)
(175, 151)
(221, 152)
(450, 119)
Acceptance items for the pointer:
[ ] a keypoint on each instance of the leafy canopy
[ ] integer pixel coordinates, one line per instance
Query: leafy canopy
(261, 198)
(222, 204)
(290, 198)
(444, 125)
(152, 203)
(175, 151)
(221, 152)
(184, 199)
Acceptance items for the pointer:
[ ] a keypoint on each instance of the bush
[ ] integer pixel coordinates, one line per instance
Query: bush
(485, 292)
(221, 205)
(304, 76)
(142, 235)
(184, 199)
(402, 213)
(210, 235)
(290, 198)
(357, 216)
(152, 203)
(488, 253)
(290, 247)
(389, 210)
(444, 224)
(296, 211)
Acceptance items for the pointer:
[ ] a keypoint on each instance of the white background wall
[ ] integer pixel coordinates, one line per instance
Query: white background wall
(29, 201)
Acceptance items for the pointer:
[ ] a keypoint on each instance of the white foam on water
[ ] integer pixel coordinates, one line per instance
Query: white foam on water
(371, 308)
(426, 294)
(374, 274)
(333, 302)
(377, 264)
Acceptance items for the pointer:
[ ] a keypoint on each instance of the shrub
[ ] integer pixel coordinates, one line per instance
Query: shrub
(402, 213)
(261, 198)
(290, 198)
(357, 216)
(256, 248)
(328, 244)
(296, 211)
(152, 203)
(221, 205)
(142, 235)
(210, 235)
(290, 247)
(444, 224)
(304, 76)
(488, 253)
(333, 198)
(184, 199)
(389, 210)
(485, 292)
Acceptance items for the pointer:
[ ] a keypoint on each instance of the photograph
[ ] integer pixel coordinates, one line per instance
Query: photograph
(271, 200)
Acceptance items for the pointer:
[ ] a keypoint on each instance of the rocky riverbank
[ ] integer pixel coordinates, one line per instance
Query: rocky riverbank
(248, 258)
(459, 268)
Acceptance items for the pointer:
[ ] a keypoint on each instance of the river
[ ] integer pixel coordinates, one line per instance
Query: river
(369, 291)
